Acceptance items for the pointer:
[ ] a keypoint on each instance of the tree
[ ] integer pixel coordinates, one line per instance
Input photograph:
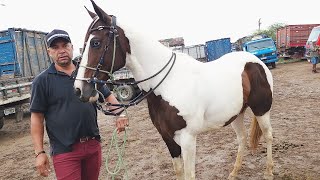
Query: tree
(271, 31)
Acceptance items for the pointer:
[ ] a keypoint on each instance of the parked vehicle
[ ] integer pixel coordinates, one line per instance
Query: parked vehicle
(291, 40)
(264, 48)
(314, 37)
(23, 55)
(217, 48)
(196, 51)
(125, 91)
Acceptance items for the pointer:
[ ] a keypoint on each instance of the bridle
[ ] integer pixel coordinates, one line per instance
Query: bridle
(113, 35)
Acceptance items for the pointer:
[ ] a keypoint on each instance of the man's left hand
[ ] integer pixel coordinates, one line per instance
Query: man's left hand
(122, 122)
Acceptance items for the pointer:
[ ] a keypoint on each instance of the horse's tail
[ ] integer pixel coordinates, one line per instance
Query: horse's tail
(255, 133)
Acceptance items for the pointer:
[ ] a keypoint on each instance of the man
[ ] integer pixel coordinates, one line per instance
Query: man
(314, 56)
(71, 124)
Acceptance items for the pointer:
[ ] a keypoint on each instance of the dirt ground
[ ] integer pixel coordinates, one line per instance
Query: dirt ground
(295, 120)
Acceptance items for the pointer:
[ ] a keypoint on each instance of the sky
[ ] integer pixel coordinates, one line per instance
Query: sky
(197, 21)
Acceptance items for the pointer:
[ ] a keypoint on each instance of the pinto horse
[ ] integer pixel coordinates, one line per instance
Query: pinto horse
(185, 97)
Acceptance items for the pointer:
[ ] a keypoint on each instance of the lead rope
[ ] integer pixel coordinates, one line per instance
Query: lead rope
(120, 151)
(120, 163)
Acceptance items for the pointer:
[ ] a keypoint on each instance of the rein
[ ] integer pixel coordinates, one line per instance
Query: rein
(113, 34)
(139, 98)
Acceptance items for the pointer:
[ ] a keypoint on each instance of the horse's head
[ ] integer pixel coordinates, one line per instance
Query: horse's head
(105, 50)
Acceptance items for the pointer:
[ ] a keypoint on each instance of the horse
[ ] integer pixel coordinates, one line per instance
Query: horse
(185, 97)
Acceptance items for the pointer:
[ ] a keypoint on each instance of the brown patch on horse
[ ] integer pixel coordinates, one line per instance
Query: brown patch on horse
(256, 91)
(167, 121)
(260, 95)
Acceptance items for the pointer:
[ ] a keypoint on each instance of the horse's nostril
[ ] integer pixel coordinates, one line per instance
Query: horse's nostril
(77, 91)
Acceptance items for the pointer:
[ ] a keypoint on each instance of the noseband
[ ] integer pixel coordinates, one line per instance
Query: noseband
(113, 34)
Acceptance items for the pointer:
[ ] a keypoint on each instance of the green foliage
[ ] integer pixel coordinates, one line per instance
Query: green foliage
(271, 31)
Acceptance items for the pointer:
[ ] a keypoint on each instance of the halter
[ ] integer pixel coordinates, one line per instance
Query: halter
(113, 34)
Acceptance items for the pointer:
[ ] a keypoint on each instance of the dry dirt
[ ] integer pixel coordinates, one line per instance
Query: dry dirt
(296, 150)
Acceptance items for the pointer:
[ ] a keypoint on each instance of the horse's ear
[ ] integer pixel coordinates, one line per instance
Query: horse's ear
(92, 14)
(102, 15)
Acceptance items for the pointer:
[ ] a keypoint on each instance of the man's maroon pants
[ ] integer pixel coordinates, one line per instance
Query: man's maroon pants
(83, 163)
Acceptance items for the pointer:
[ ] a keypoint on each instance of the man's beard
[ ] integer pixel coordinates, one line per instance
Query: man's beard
(64, 63)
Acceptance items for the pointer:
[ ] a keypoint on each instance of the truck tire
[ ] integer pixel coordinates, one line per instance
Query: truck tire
(125, 92)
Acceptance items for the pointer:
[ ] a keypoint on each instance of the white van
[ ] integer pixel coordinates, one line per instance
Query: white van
(313, 38)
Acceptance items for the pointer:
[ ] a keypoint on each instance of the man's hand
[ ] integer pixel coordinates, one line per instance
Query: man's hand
(42, 164)
(122, 122)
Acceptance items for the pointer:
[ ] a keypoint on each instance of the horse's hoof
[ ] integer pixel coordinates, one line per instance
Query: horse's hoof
(232, 177)
(268, 177)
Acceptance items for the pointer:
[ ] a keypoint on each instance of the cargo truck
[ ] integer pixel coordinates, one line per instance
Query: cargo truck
(23, 55)
(291, 40)
(217, 48)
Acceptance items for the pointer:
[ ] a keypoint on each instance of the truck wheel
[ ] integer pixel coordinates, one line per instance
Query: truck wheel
(273, 65)
(125, 92)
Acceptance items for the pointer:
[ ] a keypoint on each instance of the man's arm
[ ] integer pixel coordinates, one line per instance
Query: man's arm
(37, 133)
(122, 121)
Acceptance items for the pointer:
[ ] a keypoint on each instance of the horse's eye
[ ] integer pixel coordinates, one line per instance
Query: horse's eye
(95, 44)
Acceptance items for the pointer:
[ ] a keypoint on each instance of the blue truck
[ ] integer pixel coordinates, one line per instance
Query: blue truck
(264, 48)
(23, 55)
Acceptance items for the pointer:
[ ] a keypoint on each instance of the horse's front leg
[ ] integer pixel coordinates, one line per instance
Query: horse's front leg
(175, 152)
(188, 148)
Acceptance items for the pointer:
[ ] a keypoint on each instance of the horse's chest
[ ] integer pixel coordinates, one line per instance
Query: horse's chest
(164, 117)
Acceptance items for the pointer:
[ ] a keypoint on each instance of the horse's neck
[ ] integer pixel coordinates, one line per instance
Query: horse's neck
(147, 57)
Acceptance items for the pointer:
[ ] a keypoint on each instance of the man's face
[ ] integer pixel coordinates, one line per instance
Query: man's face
(61, 51)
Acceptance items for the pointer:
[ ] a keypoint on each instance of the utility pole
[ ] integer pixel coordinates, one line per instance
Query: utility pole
(259, 23)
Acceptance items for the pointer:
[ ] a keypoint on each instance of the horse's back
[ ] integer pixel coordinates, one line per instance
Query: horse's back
(217, 85)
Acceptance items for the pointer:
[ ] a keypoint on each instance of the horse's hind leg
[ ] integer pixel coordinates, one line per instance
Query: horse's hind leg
(177, 161)
(265, 126)
(239, 128)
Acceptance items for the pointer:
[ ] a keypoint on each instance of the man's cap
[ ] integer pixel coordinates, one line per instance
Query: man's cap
(55, 34)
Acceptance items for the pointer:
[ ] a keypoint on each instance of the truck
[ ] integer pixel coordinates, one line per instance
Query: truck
(313, 40)
(23, 55)
(291, 40)
(209, 51)
(264, 48)
(196, 51)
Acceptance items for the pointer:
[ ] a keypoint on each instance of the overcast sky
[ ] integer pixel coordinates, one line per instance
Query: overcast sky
(197, 21)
